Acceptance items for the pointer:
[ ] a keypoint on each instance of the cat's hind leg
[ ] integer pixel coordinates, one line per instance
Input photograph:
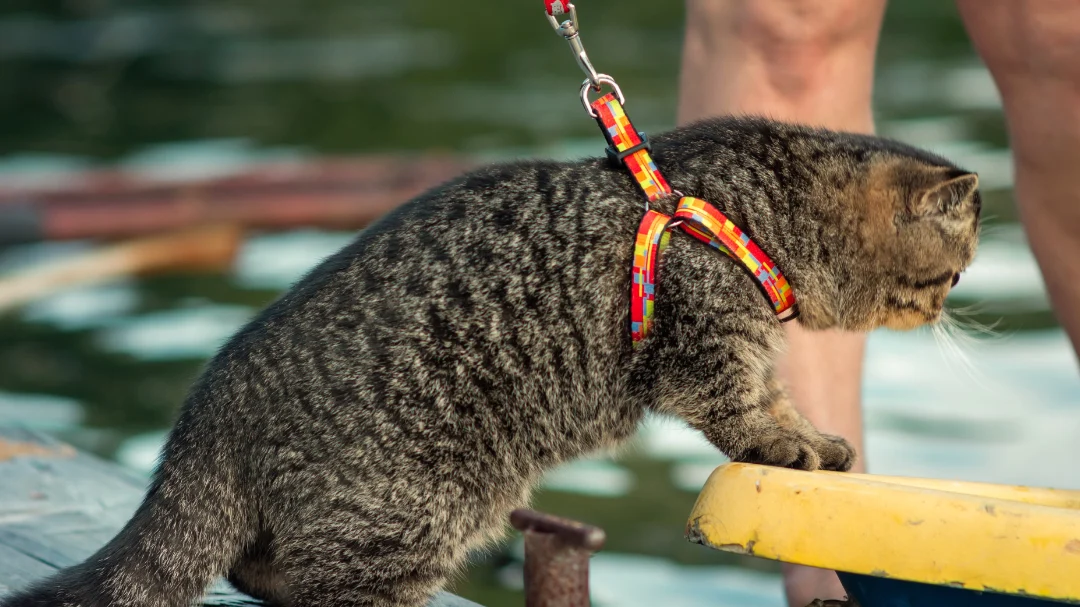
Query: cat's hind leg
(346, 559)
(257, 573)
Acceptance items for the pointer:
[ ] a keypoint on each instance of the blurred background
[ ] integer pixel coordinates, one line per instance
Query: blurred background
(346, 107)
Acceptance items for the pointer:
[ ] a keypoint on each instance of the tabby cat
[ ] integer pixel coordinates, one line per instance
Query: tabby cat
(363, 433)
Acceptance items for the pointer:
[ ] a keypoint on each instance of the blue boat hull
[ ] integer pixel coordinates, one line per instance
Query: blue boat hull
(872, 591)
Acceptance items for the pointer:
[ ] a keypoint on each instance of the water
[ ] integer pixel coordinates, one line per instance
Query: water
(172, 90)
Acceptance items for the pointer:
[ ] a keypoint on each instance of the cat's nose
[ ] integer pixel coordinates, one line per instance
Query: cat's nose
(955, 279)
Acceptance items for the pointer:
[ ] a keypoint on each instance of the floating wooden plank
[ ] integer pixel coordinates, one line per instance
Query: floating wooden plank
(328, 193)
(57, 506)
(203, 249)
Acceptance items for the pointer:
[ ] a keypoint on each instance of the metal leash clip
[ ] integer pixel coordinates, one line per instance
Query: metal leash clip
(571, 31)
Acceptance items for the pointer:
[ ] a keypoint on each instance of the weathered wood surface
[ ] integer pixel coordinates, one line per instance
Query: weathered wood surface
(58, 506)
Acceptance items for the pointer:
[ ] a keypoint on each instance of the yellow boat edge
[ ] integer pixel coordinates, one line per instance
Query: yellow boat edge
(978, 536)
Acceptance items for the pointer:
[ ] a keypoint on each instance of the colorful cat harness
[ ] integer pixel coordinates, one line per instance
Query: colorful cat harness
(630, 148)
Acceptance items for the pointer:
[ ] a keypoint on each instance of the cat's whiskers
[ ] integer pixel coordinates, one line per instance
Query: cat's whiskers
(989, 227)
(963, 318)
(957, 343)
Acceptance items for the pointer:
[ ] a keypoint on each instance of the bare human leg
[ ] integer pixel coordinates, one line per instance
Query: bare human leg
(802, 61)
(1032, 48)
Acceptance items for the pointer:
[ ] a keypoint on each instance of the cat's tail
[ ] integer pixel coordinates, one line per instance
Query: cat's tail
(190, 528)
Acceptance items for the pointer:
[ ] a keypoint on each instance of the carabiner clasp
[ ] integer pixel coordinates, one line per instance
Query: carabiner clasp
(570, 30)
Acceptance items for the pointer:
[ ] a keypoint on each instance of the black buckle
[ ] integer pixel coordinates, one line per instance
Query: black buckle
(618, 157)
(793, 315)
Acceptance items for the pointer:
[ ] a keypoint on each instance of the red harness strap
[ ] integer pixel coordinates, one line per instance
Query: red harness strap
(704, 222)
(698, 218)
(695, 216)
(630, 147)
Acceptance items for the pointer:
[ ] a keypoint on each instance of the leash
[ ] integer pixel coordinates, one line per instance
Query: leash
(630, 148)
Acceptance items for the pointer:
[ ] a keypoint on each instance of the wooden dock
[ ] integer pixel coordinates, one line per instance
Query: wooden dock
(57, 506)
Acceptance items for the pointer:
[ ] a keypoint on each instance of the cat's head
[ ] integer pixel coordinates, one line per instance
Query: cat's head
(903, 229)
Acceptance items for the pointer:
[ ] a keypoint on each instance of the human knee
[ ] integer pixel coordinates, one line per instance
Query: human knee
(798, 46)
(1026, 42)
(810, 25)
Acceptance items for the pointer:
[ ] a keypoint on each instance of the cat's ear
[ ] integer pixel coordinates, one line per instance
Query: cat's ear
(954, 189)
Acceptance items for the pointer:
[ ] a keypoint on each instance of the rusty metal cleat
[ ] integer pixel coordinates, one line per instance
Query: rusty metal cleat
(556, 558)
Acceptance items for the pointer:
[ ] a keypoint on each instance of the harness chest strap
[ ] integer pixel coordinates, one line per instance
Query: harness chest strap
(695, 216)
(704, 222)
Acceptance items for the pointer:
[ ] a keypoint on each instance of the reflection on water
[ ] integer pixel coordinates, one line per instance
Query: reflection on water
(177, 91)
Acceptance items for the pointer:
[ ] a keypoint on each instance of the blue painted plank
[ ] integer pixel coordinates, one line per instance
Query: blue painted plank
(58, 506)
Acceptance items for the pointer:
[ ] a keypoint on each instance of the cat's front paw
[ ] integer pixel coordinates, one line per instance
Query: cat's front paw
(836, 453)
(784, 449)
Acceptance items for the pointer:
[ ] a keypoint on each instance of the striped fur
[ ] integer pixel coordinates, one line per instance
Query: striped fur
(353, 442)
